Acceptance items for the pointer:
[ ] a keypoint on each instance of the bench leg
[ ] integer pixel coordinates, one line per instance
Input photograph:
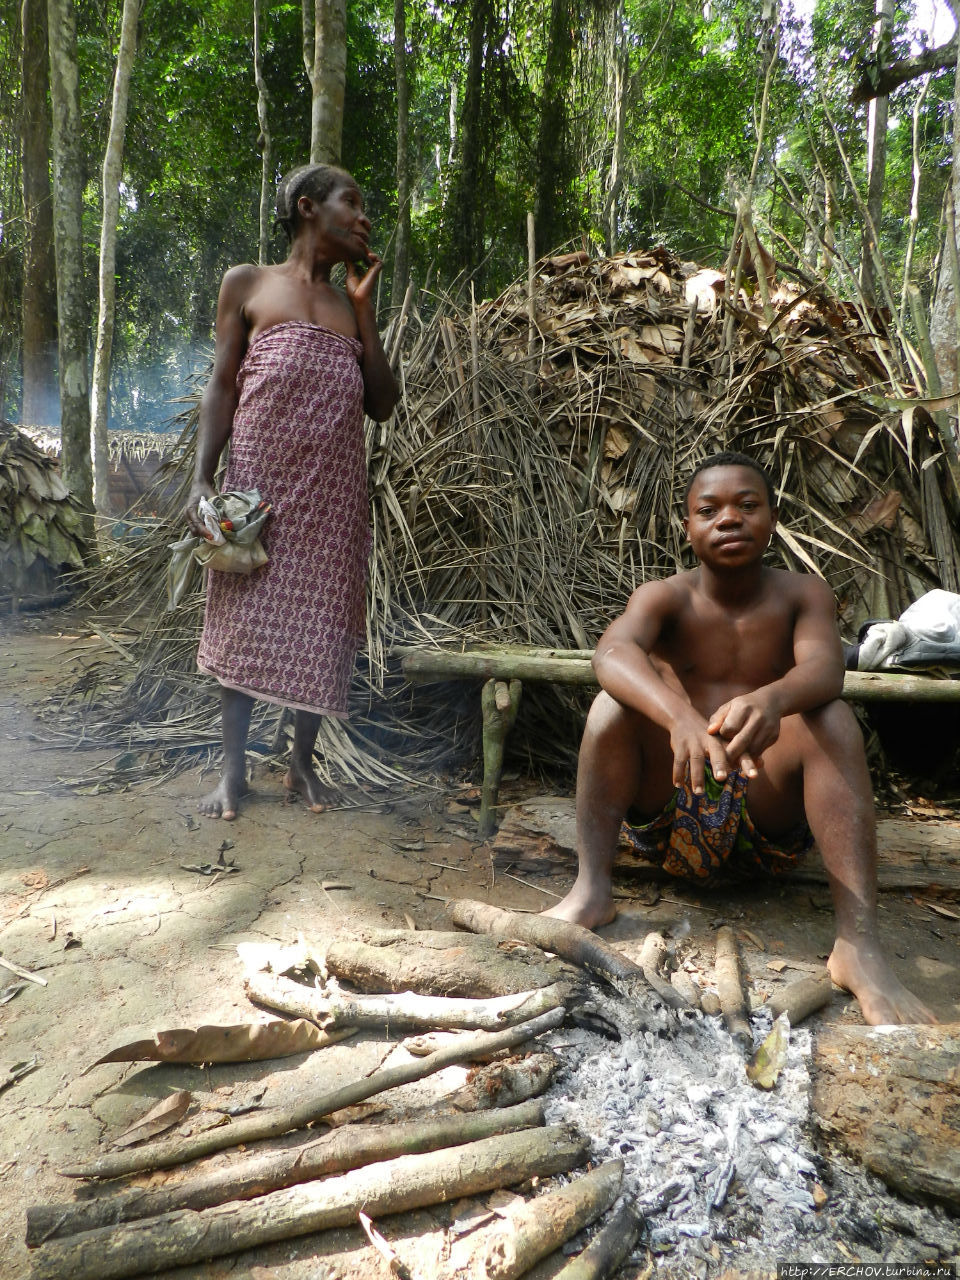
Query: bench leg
(499, 702)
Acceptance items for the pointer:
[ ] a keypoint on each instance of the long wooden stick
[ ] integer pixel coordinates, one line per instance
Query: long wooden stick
(733, 1005)
(405, 1011)
(351, 1147)
(162, 1155)
(393, 1186)
(422, 664)
(569, 941)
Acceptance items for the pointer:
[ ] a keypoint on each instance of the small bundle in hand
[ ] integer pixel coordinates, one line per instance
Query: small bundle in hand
(233, 521)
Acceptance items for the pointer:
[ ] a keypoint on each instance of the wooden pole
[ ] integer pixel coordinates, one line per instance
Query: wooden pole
(350, 1147)
(499, 702)
(393, 1186)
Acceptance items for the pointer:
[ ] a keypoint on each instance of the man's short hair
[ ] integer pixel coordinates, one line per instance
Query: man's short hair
(729, 458)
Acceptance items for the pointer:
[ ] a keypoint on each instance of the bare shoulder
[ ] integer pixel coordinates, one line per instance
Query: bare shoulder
(805, 591)
(663, 595)
(241, 279)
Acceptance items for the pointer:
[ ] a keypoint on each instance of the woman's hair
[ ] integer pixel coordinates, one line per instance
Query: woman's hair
(313, 180)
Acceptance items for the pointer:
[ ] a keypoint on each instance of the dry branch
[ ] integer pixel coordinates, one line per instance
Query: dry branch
(545, 1223)
(393, 1186)
(570, 941)
(435, 963)
(163, 1155)
(403, 1012)
(653, 952)
(348, 1148)
(608, 1248)
(733, 1004)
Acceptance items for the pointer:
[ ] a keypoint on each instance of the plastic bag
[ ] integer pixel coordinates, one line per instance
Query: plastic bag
(233, 520)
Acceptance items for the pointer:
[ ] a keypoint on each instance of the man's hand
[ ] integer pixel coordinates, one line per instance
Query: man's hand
(199, 489)
(747, 725)
(693, 745)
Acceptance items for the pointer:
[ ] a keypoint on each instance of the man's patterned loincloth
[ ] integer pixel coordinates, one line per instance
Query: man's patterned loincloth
(712, 836)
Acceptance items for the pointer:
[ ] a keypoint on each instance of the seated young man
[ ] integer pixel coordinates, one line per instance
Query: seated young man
(721, 689)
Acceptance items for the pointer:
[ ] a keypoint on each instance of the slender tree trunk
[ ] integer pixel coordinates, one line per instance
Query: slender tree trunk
(551, 208)
(112, 173)
(263, 141)
(39, 293)
(620, 58)
(401, 253)
(877, 113)
(325, 58)
(945, 313)
(464, 218)
(68, 240)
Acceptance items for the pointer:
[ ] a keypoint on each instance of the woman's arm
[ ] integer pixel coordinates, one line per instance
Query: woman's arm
(219, 400)
(380, 390)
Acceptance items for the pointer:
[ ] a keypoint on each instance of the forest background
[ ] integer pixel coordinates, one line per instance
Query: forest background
(162, 126)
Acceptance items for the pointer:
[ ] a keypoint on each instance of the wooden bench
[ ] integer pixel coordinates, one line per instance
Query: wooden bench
(502, 669)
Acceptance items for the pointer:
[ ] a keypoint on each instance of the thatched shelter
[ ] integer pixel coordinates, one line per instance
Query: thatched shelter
(532, 475)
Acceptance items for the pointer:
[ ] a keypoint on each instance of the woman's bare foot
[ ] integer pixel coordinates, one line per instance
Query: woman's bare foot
(304, 782)
(223, 800)
(861, 968)
(587, 903)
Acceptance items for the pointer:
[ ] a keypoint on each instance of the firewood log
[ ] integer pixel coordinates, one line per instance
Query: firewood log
(392, 1186)
(341, 1149)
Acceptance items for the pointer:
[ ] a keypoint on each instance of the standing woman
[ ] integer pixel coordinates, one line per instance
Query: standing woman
(297, 363)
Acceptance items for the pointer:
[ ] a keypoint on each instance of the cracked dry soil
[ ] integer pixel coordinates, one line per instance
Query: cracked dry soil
(96, 901)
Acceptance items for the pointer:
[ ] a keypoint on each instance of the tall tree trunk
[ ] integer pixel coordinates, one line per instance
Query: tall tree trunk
(619, 55)
(551, 202)
(401, 252)
(39, 291)
(877, 113)
(68, 241)
(263, 140)
(945, 312)
(464, 219)
(325, 58)
(106, 312)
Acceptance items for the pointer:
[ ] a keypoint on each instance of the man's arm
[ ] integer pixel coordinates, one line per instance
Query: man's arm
(219, 400)
(627, 673)
(751, 723)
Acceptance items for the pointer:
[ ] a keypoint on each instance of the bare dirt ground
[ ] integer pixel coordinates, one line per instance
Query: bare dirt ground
(95, 899)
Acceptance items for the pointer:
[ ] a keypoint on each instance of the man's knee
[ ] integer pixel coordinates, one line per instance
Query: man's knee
(835, 725)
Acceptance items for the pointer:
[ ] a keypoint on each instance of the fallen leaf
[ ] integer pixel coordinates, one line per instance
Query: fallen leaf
(220, 867)
(941, 910)
(163, 1116)
(777, 966)
(765, 1066)
(12, 989)
(752, 939)
(241, 1042)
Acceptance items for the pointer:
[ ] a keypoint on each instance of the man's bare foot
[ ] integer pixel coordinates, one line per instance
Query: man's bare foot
(863, 970)
(223, 800)
(587, 904)
(304, 782)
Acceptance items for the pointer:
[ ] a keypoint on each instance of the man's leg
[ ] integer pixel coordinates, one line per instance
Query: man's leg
(624, 760)
(235, 709)
(837, 798)
(301, 777)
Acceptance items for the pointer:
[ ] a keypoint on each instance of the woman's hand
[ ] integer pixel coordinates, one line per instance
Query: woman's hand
(360, 288)
(199, 489)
